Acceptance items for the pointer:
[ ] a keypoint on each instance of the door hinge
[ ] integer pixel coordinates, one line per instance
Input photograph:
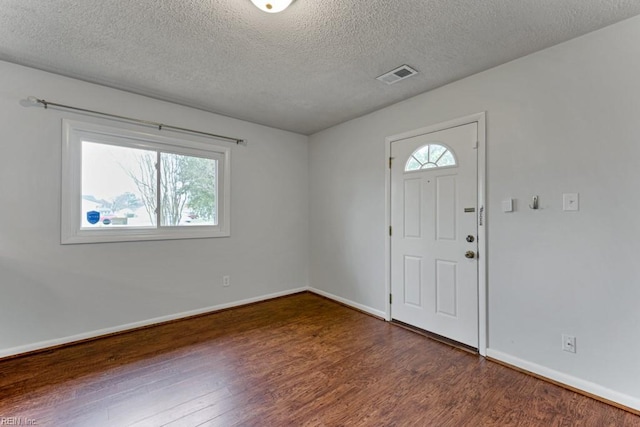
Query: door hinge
(390, 231)
(390, 162)
(390, 299)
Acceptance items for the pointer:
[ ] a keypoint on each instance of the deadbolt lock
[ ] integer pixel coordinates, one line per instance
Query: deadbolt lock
(470, 238)
(470, 254)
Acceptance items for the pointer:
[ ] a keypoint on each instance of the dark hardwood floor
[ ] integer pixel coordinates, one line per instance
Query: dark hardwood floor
(295, 361)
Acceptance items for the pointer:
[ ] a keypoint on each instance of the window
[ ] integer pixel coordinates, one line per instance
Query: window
(430, 156)
(126, 185)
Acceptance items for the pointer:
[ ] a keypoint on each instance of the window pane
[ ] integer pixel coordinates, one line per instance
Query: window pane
(422, 155)
(435, 152)
(118, 187)
(412, 165)
(447, 160)
(188, 190)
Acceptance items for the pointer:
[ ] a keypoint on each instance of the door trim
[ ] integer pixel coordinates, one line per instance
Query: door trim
(480, 119)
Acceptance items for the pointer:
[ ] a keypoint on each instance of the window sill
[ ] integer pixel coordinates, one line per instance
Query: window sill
(128, 235)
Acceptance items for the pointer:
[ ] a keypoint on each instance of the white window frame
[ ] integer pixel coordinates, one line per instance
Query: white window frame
(74, 132)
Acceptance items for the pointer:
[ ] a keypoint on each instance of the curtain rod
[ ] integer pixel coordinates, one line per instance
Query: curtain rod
(160, 126)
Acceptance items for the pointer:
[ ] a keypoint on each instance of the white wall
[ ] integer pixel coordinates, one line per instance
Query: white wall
(50, 292)
(566, 119)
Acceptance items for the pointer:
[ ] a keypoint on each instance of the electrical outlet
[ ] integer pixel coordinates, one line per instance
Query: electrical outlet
(226, 281)
(569, 343)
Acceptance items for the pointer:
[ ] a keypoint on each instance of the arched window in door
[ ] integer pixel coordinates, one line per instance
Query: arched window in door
(430, 156)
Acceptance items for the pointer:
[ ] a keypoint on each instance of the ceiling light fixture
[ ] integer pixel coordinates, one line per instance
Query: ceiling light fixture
(272, 6)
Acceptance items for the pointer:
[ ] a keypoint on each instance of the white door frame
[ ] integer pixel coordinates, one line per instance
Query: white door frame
(480, 119)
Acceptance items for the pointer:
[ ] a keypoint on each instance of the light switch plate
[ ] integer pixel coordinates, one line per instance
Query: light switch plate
(507, 205)
(570, 202)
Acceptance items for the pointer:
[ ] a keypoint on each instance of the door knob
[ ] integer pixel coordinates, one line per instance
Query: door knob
(470, 238)
(470, 254)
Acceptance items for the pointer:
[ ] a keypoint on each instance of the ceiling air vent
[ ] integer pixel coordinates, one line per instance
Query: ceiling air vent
(396, 75)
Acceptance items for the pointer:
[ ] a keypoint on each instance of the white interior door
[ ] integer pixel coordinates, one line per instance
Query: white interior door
(434, 269)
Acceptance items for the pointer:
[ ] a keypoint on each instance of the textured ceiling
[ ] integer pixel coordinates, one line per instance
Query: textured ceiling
(305, 69)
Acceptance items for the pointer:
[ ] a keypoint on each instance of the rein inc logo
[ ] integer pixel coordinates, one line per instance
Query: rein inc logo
(17, 421)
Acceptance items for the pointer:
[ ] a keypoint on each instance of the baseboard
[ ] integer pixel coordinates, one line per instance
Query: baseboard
(45, 345)
(578, 385)
(358, 306)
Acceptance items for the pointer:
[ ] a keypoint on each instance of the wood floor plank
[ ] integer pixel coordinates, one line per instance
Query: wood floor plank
(300, 360)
